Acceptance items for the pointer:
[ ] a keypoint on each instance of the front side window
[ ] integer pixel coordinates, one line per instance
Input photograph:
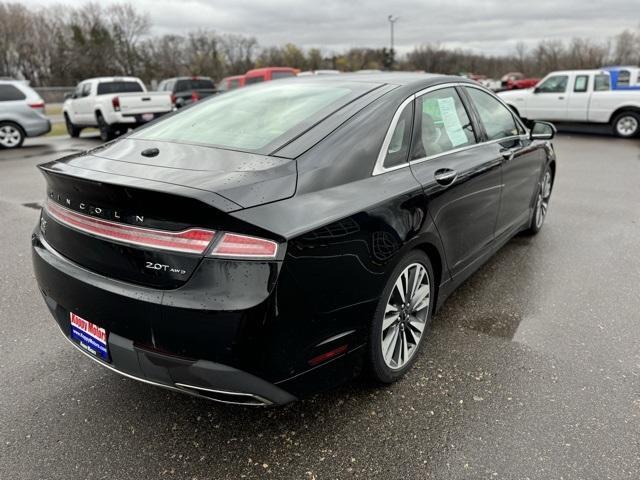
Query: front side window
(194, 84)
(554, 84)
(398, 149)
(249, 119)
(10, 93)
(581, 83)
(86, 90)
(497, 119)
(105, 88)
(442, 124)
(602, 82)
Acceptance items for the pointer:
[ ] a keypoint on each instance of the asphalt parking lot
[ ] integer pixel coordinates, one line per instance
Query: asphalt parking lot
(532, 369)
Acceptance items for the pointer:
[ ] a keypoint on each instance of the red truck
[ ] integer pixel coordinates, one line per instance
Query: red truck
(517, 81)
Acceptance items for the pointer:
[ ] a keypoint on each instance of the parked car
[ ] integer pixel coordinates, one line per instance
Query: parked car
(266, 74)
(187, 90)
(22, 114)
(113, 105)
(517, 81)
(230, 83)
(579, 96)
(272, 242)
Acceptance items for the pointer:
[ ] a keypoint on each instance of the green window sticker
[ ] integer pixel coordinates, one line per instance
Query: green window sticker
(451, 121)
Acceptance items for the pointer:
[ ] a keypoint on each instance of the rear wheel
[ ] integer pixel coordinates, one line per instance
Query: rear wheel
(11, 135)
(401, 319)
(626, 124)
(542, 203)
(106, 132)
(72, 129)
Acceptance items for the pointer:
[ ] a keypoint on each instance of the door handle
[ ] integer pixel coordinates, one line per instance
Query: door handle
(445, 176)
(561, 98)
(508, 153)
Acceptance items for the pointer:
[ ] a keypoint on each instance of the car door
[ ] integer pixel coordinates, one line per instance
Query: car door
(578, 103)
(520, 158)
(459, 174)
(548, 100)
(84, 105)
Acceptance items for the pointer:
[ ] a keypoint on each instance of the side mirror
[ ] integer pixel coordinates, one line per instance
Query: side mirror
(536, 89)
(542, 131)
(68, 96)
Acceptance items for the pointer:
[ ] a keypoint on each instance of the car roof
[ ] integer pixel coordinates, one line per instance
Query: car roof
(270, 69)
(112, 79)
(410, 80)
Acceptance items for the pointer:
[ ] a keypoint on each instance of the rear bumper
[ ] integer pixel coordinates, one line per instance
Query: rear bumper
(37, 126)
(128, 313)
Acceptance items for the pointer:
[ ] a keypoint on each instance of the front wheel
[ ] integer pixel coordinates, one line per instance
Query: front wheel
(11, 135)
(401, 319)
(542, 203)
(72, 129)
(626, 124)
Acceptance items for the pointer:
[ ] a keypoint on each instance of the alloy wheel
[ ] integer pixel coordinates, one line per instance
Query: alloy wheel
(542, 204)
(405, 316)
(10, 136)
(627, 126)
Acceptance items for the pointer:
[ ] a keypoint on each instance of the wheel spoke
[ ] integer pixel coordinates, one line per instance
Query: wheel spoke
(416, 324)
(390, 320)
(400, 289)
(421, 299)
(389, 343)
(405, 348)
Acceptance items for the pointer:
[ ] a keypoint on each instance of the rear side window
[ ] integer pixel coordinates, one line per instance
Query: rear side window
(201, 84)
(581, 83)
(400, 142)
(602, 83)
(624, 78)
(555, 84)
(442, 124)
(251, 80)
(10, 93)
(234, 83)
(497, 119)
(249, 119)
(105, 88)
(281, 74)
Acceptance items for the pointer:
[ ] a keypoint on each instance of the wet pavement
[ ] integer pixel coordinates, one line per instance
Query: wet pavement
(531, 371)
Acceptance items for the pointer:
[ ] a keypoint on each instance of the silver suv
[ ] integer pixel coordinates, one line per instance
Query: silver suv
(21, 114)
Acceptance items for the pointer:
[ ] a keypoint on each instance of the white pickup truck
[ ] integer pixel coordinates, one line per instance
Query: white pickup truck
(113, 104)
(579, 96)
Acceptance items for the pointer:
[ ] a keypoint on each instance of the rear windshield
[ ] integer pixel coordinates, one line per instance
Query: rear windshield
(255, 119)
(104, 88)
(251, 80)
(201, 84)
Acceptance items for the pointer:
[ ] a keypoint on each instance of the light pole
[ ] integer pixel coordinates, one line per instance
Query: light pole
(392, 20)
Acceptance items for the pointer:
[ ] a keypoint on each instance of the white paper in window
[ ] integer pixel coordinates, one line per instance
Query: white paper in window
(452, 124)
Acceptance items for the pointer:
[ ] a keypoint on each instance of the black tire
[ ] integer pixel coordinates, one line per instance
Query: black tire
(541, 206)
(379, 369)
(11, 135)
(626, 124)
(72, 129)
(106, 132)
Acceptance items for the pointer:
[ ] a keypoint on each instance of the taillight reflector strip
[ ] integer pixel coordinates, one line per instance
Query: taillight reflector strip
(245, 246)
(193, 240)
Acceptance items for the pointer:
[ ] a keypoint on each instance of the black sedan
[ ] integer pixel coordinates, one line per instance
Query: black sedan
(280, 239)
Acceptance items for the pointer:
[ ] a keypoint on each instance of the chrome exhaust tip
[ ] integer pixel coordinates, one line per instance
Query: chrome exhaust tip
(222, 396)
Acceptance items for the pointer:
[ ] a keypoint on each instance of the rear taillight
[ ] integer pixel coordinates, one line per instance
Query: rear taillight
(115, 101)
(194, 96)
(173, 99)
(244, 246)
(193, 240)
(37, 105)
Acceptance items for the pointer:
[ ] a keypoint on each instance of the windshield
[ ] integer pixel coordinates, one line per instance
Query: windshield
(105, 88)
(249, 119)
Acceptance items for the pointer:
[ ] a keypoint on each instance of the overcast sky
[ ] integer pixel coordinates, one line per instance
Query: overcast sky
(488, 26)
